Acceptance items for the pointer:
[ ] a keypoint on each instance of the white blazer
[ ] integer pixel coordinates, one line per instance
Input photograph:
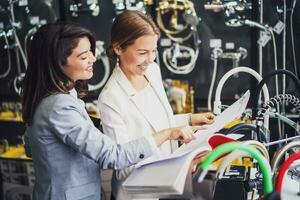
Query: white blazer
(125, 118)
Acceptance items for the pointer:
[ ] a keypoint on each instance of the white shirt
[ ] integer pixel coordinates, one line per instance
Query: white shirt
(150, 100)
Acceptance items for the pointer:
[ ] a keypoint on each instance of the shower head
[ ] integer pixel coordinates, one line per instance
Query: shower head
(241, 22)
(235, 23)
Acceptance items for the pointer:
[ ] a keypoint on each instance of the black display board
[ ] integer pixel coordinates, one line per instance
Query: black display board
(211, 26)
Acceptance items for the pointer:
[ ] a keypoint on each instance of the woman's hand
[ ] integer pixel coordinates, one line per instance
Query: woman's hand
(184, 134)
(198, 160)
(202, 118)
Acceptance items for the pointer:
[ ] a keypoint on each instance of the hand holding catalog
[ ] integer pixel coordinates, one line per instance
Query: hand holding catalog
(165, 177)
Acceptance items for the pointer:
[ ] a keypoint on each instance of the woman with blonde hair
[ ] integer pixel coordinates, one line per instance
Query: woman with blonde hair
(133, 102)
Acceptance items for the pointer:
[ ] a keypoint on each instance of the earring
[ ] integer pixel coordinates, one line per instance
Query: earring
(118, 61)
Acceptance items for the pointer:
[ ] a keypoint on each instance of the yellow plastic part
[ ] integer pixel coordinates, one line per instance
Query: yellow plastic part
(237, 121)
(233, 123)
(244, 161)
(15, 152)
(10, 116)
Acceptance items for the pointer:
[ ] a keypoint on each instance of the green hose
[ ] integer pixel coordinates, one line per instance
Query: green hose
(231, 146)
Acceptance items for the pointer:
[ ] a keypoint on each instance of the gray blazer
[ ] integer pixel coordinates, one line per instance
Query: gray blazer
(68, 151)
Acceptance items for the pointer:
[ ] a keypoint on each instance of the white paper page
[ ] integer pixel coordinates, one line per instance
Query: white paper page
(235, 136)
(167, 172)
(166, 177)
(228, 115)
(150, 160)
(154, 180)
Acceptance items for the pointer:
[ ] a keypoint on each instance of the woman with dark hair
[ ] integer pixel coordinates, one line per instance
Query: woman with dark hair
(133, 103)
(68, 151)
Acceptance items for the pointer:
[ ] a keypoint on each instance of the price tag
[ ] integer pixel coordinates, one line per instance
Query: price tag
(89, 2)
(34, 20)
(43, 21)
(165, 42)
(215, 43)
(278, 28)
(23, 3)
(264, 38)
(117, 1)
(229, 45)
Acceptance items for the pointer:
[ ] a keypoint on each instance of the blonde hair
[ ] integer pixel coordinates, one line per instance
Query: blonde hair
(127, 27)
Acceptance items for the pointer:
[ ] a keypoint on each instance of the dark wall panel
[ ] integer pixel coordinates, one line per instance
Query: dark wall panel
(211, 26)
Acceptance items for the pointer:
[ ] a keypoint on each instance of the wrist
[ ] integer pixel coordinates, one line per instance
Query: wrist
(169, 134)
(162, 136)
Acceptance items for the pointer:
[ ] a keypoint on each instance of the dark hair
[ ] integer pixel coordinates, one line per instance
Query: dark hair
(129, 26)
(48, 52)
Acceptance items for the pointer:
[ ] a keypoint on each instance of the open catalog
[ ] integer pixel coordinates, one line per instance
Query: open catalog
(167, 176)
